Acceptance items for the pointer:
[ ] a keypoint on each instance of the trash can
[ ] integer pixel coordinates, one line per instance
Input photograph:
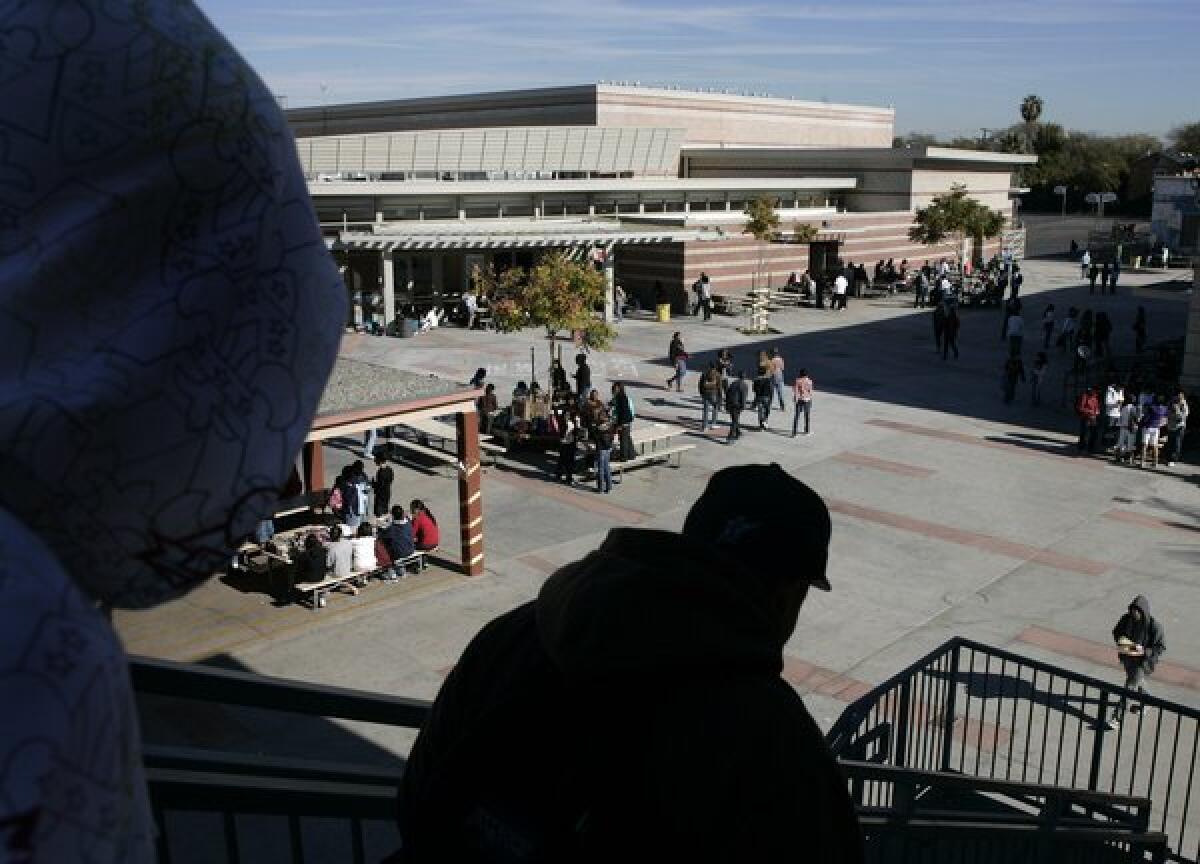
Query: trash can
(664, 312)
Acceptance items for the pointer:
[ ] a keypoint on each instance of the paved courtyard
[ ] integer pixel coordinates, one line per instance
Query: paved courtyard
(954, 514)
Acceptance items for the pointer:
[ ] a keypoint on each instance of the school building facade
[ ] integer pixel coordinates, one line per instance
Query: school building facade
(651, 183)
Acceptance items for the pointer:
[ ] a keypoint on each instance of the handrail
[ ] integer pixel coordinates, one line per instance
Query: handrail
(257, 765)
(201, 790)
(248, 689)
(966, 782)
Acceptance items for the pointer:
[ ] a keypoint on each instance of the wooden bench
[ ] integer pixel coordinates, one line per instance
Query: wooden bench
(646, 458)
(321, 589)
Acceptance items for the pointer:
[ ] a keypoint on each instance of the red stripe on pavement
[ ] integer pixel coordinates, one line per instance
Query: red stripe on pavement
(811, 678)
(972, 539)
(1104, 654)
(864, 461)
(1149, 521)
(1015, 446)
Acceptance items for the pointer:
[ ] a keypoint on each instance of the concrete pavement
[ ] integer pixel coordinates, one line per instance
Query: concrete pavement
(954, 514)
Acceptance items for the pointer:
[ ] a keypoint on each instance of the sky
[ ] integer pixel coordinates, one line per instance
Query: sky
(951, 68)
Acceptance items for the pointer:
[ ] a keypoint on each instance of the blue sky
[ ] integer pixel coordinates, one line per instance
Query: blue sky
(947, 67)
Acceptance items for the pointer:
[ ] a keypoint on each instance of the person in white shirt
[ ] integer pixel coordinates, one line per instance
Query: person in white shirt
(1085, 262)
(839, 292)
(706, 296)
(362, 550)
(469, 305)
(1114, 397)
(430, 320)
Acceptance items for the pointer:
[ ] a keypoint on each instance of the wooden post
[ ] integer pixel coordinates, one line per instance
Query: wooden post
(314, 472)
(470, 494)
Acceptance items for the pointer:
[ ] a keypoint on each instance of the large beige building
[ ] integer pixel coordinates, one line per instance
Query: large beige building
(414, 193)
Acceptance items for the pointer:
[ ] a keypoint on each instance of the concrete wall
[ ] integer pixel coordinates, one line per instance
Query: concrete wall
(989, 187)
(709, 118)
(1191, 357)
(715, 119)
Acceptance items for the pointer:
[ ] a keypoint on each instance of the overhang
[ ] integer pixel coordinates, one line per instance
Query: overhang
(859, 157)
(515, 234)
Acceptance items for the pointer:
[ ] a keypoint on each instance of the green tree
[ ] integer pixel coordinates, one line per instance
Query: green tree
(560, 293)
(804, 232)
(1031, 112)
(953, 215)
(762, 223)
(1186, 138)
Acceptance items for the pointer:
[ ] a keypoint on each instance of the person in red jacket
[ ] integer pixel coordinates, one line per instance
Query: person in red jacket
(424, 527)
(1088, 409)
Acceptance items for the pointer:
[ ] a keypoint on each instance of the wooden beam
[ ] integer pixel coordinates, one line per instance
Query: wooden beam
(470, 499)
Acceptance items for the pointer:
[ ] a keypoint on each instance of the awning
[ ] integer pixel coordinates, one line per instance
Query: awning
(526, 235)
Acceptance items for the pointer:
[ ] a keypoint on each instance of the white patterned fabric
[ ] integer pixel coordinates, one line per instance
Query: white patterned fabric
(168, 318)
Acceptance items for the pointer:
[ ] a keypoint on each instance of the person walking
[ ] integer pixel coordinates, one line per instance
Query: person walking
(678, 357)
(1036, 375)
(939, 326)
(1047, 326)
(564, 470)
(1015, 331)
(950, 334)
(706, 296)
(735, 403)
(763, 396)
(1085, 262)
(1140, 643)
(1014, 370)
(710, 397)
(776, 367)
(1087, 408)
(802, 393)
(1105, 275)
(840, 284)
(1177, 427)
(618, 302)
(1114, 275)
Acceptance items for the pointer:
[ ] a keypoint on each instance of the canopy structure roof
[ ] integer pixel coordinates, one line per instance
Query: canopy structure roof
(514, 234)
(360, 396)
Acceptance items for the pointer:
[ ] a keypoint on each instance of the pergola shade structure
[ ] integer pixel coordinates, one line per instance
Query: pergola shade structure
(361, 396)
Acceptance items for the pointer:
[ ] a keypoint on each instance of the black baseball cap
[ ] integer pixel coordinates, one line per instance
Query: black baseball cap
(767, 519)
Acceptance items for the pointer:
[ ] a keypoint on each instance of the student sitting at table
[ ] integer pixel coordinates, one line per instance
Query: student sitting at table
(398, 538)
(362, 550)
(309, 562)
(425, 527)
(339, 557)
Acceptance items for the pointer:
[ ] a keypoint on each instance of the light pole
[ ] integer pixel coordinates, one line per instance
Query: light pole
(1062, 190)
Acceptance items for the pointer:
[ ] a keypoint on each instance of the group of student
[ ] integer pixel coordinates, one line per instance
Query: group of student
(721, 386)
(1138, 421)
(360, 544)
(605, 425)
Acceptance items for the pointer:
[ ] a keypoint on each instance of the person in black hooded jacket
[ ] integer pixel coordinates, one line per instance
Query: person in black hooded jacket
(635, 709)
(1139, 639)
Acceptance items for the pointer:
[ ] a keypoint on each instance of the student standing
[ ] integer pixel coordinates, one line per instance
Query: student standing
(950, 334)
(1036, 374)
(1177, 427)
(735, 403)
(604, 445)
(382, 486)
(802, 393)
(1014, 370)
(678, 357)
(776, 367)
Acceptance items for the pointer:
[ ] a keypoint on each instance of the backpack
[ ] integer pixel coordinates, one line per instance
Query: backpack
(335, 500)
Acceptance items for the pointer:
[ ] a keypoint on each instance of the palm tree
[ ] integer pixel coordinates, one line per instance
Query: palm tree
(1031, 111)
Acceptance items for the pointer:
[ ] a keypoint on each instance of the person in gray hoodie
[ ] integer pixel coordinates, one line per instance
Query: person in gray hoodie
(169, 315)
(637, 703)
(1139, 639)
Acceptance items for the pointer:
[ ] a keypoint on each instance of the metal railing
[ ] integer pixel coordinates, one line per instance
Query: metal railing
(217, 805)
(988, 713)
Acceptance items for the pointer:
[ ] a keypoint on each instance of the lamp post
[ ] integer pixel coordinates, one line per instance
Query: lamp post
(1062, 190)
